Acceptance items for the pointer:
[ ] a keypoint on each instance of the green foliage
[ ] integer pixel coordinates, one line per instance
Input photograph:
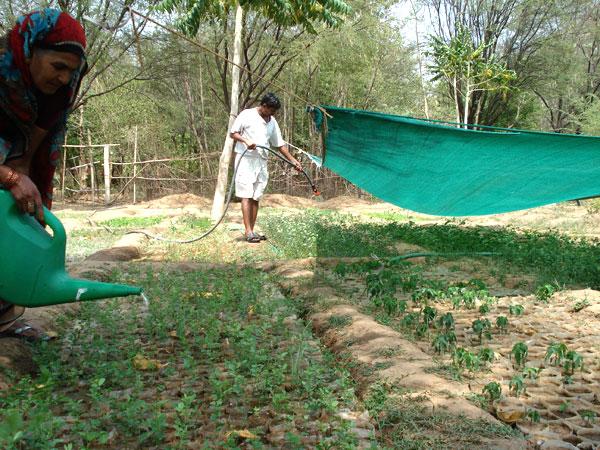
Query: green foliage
(466, 69)
(544, 292)
(486, 355)
(283, 12)
(493, 390)
(464, 358)
(482, 328)
(556, 352)
(446, 322)
(531, 373)
(533, 415)
(517, 385)
(502, 323)
(519, 352)
(572, 361)
(516, 310)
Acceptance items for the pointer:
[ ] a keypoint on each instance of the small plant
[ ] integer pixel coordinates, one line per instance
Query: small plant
(587, 415)
(441, 343)
(564, 406)
(555, 353)
(484, 308)
(410, 319)
(520, 352)
(429, 314)
(544, 292)
(446, 321)
(572, 361)
(464, 358)
(533, 415)
(482, 327)
(423, 295)
(486, 355)
(493, 391)
(531, 373)
(341, 269)
(516, 310)
(581, 304)
(502, 323)
(517, 385)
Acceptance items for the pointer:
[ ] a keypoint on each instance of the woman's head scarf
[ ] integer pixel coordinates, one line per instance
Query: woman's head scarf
(46, 29)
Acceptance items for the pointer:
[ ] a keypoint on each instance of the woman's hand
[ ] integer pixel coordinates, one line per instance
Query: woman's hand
(28, 197)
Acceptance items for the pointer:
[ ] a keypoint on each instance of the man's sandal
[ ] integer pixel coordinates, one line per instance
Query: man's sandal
(262, 237)
(253, 238)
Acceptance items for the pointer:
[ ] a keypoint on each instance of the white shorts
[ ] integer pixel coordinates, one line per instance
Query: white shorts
(251, 178)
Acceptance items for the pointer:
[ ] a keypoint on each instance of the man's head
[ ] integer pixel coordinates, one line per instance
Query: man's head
(269, 105)
(50, 69)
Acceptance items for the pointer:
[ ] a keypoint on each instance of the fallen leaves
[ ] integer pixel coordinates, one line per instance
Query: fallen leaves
(142, 363)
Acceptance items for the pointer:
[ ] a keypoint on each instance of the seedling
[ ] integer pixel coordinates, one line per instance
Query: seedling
(520, 352)
(486, 355)
(573, 360)
(441, 344)
(564, 406)
(544, 292)
(410, 319)
(516, 310)
(533, 415)
(484, 308)
(446, 321)
(482, 327)
(429, 315)
(493, 390)
(581, 304)
(502, 323)
(587, 415)
(517, 385)
(464, 358)
(531, 372)
(555, 353)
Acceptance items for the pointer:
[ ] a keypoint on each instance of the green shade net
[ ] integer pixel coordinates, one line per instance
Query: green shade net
(435, 168)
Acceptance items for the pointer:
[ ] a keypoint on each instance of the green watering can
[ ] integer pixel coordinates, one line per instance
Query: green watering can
(32, 262)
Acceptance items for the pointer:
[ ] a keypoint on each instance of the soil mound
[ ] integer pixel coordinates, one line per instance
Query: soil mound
(287, 201)
(345, 201)
(179, 201)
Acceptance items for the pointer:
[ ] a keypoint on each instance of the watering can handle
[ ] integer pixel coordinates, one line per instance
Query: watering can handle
(59, 237)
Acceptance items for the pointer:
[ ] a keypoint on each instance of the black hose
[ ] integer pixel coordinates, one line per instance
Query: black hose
(227, 202)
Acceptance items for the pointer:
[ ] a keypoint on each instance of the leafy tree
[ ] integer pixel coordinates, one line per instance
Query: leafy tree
(468, 71)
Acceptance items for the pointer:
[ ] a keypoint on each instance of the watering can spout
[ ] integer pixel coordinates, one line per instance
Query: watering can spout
(32, 263)
(64, 289)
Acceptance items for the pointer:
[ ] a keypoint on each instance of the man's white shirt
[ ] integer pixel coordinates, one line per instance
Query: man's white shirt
(252, 126)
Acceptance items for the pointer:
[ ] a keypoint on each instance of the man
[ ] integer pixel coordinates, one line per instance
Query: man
(254, 128)
(42, 60)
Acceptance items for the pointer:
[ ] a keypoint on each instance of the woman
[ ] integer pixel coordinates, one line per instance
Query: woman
(42, 61)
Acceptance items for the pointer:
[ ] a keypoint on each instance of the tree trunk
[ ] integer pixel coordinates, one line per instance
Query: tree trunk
(217, 208)
(415, 12)
(456, 101)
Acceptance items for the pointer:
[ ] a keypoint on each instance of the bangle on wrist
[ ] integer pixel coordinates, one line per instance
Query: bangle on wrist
(12, 179)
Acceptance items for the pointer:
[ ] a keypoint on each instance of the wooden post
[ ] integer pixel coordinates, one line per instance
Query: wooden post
(92, 174)
(64, 170)
(106, 174)
(135, 157)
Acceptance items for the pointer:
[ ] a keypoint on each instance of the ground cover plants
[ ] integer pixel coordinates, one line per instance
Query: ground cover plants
(211, 363)
(454, 315)
(221, 359)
